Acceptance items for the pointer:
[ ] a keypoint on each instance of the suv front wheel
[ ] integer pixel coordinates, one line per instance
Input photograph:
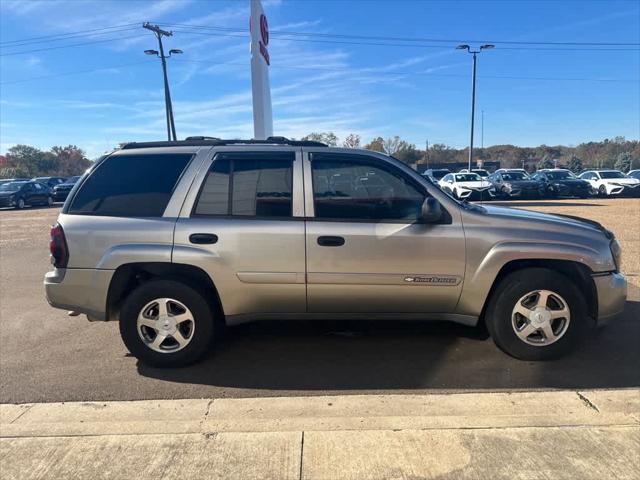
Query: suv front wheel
(165, 323)
(536, 314)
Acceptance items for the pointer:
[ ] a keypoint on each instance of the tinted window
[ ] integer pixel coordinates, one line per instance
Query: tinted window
(248, 184)
(560, 175)
(130, 185)
(362, 189)
(514, 176)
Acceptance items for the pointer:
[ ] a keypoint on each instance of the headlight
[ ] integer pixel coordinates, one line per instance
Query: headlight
(616, 252)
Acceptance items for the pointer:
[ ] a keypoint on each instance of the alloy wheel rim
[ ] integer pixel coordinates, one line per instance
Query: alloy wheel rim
(165, 325)
(540, 318)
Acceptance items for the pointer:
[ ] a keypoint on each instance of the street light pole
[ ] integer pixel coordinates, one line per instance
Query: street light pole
(473, 92)
(171, 127)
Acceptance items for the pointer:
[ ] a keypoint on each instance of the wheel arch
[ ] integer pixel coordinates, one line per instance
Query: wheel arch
(576, 271)
(128, 276)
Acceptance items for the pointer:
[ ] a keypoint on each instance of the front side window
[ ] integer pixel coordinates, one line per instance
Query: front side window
(248, 185)
(130, 185)
(348, 188)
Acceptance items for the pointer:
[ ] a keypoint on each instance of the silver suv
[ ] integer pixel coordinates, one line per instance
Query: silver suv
(175, 240)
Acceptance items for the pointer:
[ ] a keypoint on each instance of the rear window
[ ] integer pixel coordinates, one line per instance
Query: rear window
(130, 186)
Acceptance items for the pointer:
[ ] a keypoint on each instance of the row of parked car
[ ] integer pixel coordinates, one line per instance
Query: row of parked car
(22, 192)
(505, 183)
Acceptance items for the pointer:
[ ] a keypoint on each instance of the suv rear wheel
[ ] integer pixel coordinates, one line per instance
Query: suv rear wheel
(165, 323)
(536, 314)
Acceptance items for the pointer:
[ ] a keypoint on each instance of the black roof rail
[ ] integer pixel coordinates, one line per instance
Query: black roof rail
(216, 142)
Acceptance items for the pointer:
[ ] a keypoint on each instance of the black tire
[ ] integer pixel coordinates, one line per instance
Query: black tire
(517, 284)
(20, 204)
(602, 190)
(192, 299)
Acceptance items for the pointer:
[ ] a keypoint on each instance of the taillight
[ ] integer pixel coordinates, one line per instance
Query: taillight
(58, 247)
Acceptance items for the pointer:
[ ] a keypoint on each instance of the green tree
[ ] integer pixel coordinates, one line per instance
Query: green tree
(352, 141)
(575, 164)
(325, 137)
(71, 160)
(377, 145)
(623, 162)
(31, 161)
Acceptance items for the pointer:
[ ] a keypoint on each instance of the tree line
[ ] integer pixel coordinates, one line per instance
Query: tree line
(618, 153)
(27, 161)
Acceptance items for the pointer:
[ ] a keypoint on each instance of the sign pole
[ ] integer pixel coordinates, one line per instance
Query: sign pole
(260, 61)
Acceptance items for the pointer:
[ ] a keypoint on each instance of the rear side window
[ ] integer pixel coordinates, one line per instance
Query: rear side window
(248, 185)
(130, 186)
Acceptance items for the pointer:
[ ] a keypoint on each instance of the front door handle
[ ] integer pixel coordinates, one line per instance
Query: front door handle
(330, 241)
(203, 238)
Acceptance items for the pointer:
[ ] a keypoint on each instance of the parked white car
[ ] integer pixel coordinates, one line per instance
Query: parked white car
(611, 182)
(468, 186)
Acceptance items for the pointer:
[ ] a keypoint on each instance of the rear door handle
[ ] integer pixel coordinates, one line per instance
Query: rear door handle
(203, 238)
(330, 241)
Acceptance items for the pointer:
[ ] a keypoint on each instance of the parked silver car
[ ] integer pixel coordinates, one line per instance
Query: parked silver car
(176, 239)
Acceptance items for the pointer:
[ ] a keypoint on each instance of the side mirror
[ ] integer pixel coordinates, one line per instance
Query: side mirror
(431, 210)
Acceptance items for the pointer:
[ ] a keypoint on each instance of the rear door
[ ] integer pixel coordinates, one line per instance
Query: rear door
(243, 223)
(367, 250)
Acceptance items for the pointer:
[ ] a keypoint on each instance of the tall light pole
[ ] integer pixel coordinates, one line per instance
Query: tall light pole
(171, 127)
(473, 91)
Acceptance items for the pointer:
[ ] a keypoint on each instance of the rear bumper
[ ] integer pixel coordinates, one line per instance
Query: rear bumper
(612, 296)
(80, 290)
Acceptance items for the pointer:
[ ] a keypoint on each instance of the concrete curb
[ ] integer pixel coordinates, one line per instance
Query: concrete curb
(346, 412)
(558, 434)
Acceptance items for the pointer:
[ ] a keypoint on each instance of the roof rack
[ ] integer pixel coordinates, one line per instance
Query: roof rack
(216, 142)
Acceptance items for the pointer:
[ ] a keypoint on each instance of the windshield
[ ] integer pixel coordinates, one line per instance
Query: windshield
(438, 174)
(560, 175)
(514, 176)
(482, 173)
(468, 177)
(612, 175)
(11, 187)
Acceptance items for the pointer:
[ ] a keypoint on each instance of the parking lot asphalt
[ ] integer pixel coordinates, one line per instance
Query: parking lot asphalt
(46, 356)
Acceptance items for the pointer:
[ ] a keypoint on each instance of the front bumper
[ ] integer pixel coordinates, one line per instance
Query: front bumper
(60, 196)
(524, 193)
(612, 296)
(476, 194)
(79, 289)
(5, 202)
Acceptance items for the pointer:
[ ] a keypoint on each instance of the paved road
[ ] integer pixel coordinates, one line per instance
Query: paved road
(47, 356)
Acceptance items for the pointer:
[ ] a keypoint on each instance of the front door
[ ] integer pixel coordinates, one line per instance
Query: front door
(246, 230)
(367, 250)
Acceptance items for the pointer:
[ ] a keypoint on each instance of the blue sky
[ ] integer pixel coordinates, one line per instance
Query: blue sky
(529, 97)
